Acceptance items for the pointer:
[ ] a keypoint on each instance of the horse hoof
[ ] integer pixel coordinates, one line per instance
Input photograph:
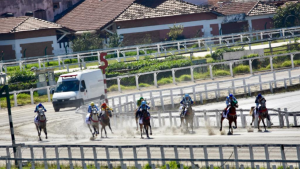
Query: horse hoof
(46, 137)
(266, 131)
(142, 137)
(259, 130)
(250, 124)
(229, 133)
(234, 127)
(150, 133)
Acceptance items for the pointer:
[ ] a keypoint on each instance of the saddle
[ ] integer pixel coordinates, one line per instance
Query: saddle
(230, 113)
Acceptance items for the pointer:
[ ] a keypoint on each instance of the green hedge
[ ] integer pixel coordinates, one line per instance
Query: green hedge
(241, 69)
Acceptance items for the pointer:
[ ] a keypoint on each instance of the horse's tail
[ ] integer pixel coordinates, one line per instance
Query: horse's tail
(251, 111)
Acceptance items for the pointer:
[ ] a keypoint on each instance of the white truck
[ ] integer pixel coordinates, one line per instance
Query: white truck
(78, 88)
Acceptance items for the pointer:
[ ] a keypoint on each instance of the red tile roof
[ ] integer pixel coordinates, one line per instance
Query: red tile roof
(94, 14)
(142, 9)
(263, 9)
(230, 8)
(24, 23)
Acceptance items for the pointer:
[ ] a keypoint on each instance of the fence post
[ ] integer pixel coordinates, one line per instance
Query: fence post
(205, 88)
(211, 72)
(148, 154)
(48, 94)
(249, 90)
(218, 88)
(286, 113)
(217, 119)
(250, 66)
(107, 155)
(236, 157)
(20, 65)
(95, 158)
(221, 155)
(267, 155)
(176, 154)
(244, 84)
(290, 78)
(260, 85)
(283, 156)
(243, 119)
(231, 72)
(155, 79)
(15, 99)
(162, 100)
(171, 95)
(82, 157)
(159, 118)
(32, 157)
(135, 156)
(137, 82)
(119, 84)
(194, 92)
(191, 154)
(201, 99)
(152, 100)
(281, 124)
(298, 154)
(31, 96)
(8, 155)
(45, 156)
(275, 82)
(121, 155)
(39, 61)
(292, 61)
(205, 156)
(170, 118)
(192, 74)
(173, 76)
(251, 155)
(233, 87)
(57, 157)
(162, 155)
(271, 63)
(271, 87)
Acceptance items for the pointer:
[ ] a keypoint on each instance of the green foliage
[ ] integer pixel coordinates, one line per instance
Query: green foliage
(286, 64)
(22, 76)
(176, 32)
(208, 56)
(218, 54)
(185, 78)
(143, 85)
(164, 81)
(147, 166)
(287, 16)
(241, 69)
(221, 73)
(87, 41)
(255, 62)
(114, 41)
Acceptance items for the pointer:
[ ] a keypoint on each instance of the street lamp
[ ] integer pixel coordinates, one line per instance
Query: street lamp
(288, 17)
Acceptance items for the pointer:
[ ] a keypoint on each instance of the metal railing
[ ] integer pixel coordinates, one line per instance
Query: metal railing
(165, 48)
(208, 156)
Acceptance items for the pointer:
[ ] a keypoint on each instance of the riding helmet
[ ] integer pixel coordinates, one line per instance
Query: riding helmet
(143, 102)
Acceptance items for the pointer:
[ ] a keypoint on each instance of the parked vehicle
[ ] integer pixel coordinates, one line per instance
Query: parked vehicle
(75, 89)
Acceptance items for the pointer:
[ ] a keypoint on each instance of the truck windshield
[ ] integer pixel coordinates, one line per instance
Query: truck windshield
(67, 86)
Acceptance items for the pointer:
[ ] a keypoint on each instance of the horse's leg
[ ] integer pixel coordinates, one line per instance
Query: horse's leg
(105, 131)
(137, 123)
(141, 128)
(101, 130)
(264, 124)
(45, 131)
(229, 132)
(222, 118)
(39, 134)
(235, 123)
(268, 117)
(150, 129)
(110, 128)
(146, 129)
(253, 118)
(258, 125)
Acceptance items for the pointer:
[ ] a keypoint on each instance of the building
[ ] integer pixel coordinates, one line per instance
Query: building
(23, 37)
(43, 9)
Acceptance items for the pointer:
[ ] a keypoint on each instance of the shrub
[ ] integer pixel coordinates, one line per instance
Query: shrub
(286, 64)
(241, 69)
(144, 85)
(201, 75)
(164, 81)
(22, 76)
(221, 73)
(185, 78)
(207, 56)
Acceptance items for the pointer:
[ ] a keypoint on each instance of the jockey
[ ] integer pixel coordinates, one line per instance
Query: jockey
(143, 106)
(229, 99)
(186, 99)
(90, 108)
(37, 108)
(104, 107)
(258, 101)
(139, 103)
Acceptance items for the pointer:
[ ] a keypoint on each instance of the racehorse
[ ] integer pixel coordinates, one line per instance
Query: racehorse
(94, 122)
(231, 117)
(262, 114)
(188, 118)
(105, 121)
(41, 123)
(146, 123)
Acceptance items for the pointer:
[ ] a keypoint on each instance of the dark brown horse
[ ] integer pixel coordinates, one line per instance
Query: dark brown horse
(146, 123)
(231, 117)
(105, 121)
(188, 117)
(262, 114)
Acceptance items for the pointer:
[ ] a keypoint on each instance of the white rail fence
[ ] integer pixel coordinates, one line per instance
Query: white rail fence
(163, 48)
(209, 66)
(196, 156)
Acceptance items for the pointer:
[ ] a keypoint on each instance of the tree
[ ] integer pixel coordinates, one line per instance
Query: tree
(287, 16)
(176, 32)
(87, 41)
(114, 41)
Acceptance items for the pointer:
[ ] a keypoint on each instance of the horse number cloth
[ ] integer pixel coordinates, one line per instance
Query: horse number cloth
(87, 119)
(35, 119)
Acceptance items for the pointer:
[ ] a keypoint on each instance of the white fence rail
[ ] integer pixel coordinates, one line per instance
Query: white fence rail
(196, 156)
(164, 48)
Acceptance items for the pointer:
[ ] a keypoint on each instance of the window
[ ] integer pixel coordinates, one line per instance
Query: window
(41, 14)
(67, 86)
(56, 5)
(5, 15)
(83, 84)
(69, 4)
(29, 13)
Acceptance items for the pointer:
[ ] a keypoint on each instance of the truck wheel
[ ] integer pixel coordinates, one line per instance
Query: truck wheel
(56, 109)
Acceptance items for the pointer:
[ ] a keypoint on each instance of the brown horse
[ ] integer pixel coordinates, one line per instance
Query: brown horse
(188, 117)
(231, 117)
(146, 123)
(105, 121)
(41, 123)
(262, 114)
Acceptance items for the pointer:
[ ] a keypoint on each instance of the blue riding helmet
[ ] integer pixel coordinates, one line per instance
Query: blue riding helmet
(259, 95)
(186, 95)
(231, 95)
(143, 102)
(40, 105)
